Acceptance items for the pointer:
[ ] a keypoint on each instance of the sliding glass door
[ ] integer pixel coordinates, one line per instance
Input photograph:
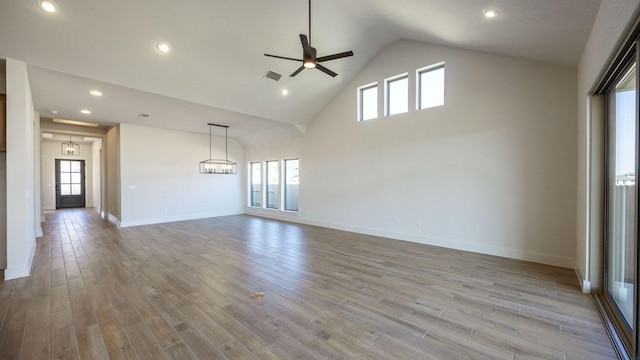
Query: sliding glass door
(621, 234)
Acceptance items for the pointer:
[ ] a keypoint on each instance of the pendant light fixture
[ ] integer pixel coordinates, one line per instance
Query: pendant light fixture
(217, 166)
(70, 148)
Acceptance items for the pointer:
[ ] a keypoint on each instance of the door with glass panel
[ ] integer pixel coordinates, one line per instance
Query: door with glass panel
(621, 234)
(70, 191)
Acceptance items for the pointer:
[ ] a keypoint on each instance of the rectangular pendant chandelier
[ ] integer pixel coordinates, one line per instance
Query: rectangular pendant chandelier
(219, 166)
(70, 148)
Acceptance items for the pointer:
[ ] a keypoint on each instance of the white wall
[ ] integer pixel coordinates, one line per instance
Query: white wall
(493, 171)
(21, 191)
(51, 150)
(610, 25)
(160, 180)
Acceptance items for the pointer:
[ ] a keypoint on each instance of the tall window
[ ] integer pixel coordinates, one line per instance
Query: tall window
(291, 182)
(431, 86)
(273, 193)
(368, 102)
(397, 95)
(255, 176)
(621, 201)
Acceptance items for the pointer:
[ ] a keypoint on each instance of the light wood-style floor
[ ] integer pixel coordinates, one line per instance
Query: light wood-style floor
(183, 291)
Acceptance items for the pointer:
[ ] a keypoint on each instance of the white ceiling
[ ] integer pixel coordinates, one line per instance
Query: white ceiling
(215, 72)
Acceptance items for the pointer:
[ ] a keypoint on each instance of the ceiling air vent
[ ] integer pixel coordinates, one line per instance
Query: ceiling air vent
(273, 75)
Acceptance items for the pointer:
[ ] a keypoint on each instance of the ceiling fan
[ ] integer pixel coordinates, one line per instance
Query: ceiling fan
(309, 59)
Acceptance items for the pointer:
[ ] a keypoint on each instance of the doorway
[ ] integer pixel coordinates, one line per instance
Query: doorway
(70, 184)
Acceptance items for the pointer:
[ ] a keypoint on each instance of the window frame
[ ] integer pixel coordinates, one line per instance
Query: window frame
(284, 185)
(424, 70)
(387, 93)
(266, 185)
(361, 90)
(260, 200)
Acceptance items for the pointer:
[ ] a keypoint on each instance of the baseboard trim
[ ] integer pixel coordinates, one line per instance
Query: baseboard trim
(585, 284)
(23, 270)
(112, 219)
(166, 219)
(518, 254)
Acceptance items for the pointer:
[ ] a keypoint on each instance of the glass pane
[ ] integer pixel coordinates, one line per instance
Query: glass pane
(75, 166)
(65, 166)
(75, 189)
(292, 180)
(272, 184)
(75, 178)
(256, 184)
(65, 189)
(621, 195)
(369, 103)
(431, 88)
(65, 178)
(398, 96)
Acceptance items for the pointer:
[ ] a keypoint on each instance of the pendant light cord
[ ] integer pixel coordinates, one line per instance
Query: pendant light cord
(226, 145)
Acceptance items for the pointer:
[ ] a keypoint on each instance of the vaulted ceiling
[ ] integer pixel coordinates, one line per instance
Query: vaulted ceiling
(216, 69)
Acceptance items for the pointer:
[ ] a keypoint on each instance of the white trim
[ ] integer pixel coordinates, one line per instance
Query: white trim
(518, 254)
(166, 219)
(23, 270)
(585, 284)
(112, 218)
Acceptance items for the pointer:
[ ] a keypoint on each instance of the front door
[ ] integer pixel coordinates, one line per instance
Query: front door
(70, 191)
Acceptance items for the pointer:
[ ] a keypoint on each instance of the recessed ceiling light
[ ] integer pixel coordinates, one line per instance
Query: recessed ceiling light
(54, 111)
(48, 6)
(164, 47)
(85, 111)
(95, 93)
(285, 92)
(489, 13)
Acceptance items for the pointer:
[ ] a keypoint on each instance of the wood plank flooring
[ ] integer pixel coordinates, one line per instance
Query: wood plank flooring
(183, 291)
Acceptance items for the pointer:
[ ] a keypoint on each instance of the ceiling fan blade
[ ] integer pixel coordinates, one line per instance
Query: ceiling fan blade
(335, 56)
(305, 45)
(325, 70)
(297, 71)
(282, 57)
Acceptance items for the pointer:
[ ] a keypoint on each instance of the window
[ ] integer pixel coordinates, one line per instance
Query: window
(397, 95)
(368, 102)
(291, 182)
(621, 207)
(430, 86)
(617, 91)
(272, 185)
(255, 177)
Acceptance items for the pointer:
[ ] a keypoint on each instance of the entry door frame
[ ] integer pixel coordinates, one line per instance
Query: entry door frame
(70, 201)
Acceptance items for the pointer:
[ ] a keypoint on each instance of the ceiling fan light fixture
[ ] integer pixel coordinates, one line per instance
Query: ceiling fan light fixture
(309, 55)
